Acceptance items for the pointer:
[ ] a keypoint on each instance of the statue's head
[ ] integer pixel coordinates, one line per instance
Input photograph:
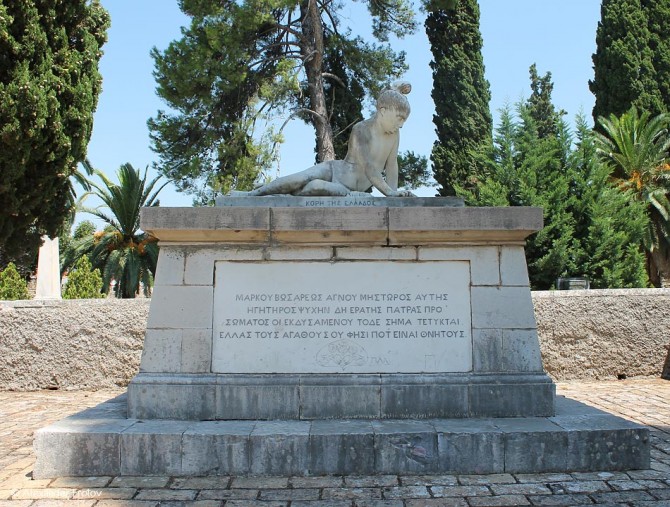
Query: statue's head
(394, 98)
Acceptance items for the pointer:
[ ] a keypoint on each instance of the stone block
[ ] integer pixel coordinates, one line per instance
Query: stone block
(207, 224)
(217, 448)
(604, 442)
(534, 445)
(502, 308)
(257, 397)
(405, 447)
(172, 400)
(452, 225)
(152, 448)
(521, 351)
(334, 226)
(170, 266)
(341, 447)
(408, 253)
(484, 261)
(181, 307)
(79, 447)
(199, 267)
(487, 350)
(196, 351)
(162, 351)
(427, 399)
(513, 268)
(280, 448)
(473, 446)
(342, 397)
(299, 254)
(532, 399)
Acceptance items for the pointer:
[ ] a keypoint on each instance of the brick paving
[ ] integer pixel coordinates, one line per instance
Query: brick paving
(644, 401)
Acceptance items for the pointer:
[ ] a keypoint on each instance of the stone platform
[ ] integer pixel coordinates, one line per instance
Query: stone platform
(326, 339)
(102, 441)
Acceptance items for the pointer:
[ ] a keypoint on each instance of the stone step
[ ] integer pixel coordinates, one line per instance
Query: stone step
(103, 441)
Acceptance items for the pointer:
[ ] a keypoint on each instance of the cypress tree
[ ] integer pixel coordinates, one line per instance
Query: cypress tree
(460, 92)
(624, 61)
(49, 86)
(658, 15)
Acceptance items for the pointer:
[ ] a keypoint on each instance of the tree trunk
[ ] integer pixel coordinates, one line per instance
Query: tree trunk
(659, 268)
(312, 53)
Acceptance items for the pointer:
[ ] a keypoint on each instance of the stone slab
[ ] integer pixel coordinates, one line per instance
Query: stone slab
(175, 448)
(291, 201)
(358, 225)
(339, 396)
(306, 317)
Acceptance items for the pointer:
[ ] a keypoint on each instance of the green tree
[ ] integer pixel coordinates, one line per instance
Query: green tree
(609, 224)
(460, 92)
(624, 72)
(122, 252)
(241, 64)
(658, 15)
(83, 282)
(12, 285)
(636, 147)
(49, 86)
(540, 106)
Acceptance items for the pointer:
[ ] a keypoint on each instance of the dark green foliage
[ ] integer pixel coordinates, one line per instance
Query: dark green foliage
(461, 95)
(240, 65)
(82, 282)
(12, 285)
(658, 16)
(591, 228)
(413, 171)
(635, 147)
(624, 69)
(122, 252)
(540, 107)
(609, 223)
(49, 86)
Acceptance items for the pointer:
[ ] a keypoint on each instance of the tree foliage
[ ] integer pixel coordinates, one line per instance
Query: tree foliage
(83, 282)
(12, 285)
(635, 146)
(123, 253)
(591, 228)
(624, 62)
(241, 64)
(460, 92)
(49, 86)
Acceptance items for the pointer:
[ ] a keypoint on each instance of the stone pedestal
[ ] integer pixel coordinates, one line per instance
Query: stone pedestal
(335, 336)
(341, 312)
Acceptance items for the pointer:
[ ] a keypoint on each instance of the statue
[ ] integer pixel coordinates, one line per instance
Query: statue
(372, 154)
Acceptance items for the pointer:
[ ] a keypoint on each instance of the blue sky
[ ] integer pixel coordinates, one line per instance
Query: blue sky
(557, 35)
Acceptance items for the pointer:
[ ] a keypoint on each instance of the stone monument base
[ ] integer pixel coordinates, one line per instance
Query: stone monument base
(103, 441)
(338, 336)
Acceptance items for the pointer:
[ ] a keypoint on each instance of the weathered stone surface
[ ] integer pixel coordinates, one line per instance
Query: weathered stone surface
(341, 447)
(578, 436)
(71, 344)
(152, 448)
(600, 334)
(280, 448)
(350, 397)
(217, 448)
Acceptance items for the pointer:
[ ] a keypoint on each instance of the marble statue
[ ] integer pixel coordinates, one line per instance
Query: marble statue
(371, 160)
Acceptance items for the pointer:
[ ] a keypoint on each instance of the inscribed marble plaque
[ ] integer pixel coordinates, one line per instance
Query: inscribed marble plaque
(349, 317)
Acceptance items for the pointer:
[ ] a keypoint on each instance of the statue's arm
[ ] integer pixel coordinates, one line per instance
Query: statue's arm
(391, 167)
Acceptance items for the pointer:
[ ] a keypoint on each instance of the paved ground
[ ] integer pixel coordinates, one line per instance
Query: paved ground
(643, 401)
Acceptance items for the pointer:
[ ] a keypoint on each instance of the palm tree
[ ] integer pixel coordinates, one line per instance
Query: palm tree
(122, 252)
(636, 146)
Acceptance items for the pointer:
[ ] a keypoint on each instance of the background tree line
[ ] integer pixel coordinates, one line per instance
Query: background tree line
(242, 64)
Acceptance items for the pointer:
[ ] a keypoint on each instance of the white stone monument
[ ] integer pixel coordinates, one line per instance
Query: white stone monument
(48, 270)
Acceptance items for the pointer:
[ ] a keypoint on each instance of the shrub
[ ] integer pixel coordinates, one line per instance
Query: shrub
(82, 283)
(12, 285)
